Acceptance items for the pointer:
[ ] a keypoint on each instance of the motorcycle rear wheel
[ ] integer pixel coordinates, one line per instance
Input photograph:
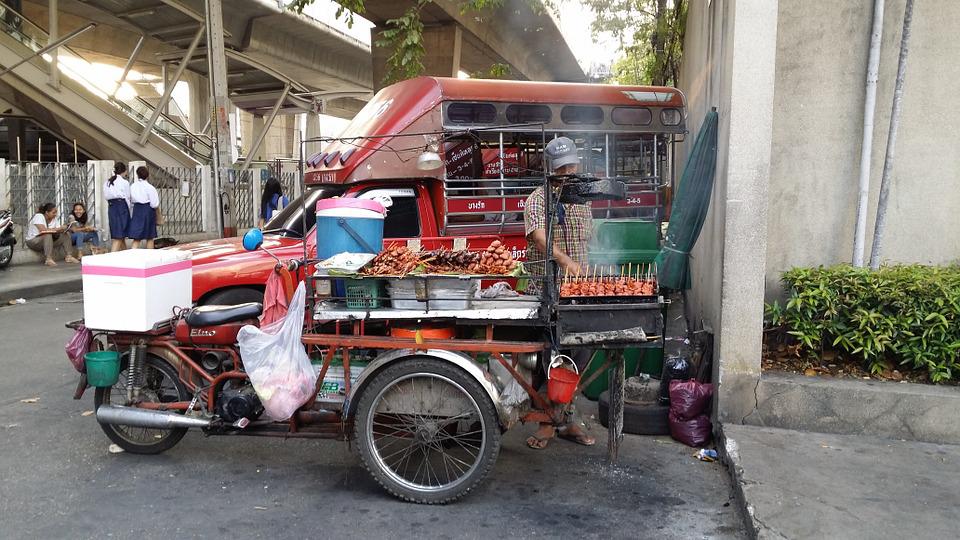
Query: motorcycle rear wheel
(160, 385)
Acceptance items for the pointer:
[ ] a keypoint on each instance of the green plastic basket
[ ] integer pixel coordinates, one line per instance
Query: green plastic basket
(363, 293)
(103, 368)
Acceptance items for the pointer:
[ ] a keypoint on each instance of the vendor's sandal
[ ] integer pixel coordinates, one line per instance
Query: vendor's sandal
(539, 442)
(50, 262)
(71, 260)
(576, 435)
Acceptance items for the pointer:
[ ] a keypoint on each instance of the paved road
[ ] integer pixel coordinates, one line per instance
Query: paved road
(58, 480)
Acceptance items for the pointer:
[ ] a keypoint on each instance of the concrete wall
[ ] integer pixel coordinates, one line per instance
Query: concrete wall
(729, 63)
(822, 49)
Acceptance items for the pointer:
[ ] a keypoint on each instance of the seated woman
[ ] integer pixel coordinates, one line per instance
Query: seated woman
(43, 235)
(82, 230)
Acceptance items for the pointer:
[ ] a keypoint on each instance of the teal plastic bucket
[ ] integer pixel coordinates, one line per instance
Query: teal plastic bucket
(103, 368)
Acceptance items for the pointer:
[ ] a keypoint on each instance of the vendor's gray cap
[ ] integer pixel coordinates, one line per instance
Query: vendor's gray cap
(561, 151)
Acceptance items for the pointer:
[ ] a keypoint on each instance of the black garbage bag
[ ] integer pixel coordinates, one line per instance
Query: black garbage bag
(689, 407)
(677, 368)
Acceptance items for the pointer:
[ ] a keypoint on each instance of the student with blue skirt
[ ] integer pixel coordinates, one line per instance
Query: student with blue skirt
(146, 207)
(117, 192)
(272, 200)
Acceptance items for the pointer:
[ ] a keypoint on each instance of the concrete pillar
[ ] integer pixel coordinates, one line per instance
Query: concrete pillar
(209, 205)
(257, 128)
(236, 137)
(746, 132)
(442, 44)
(5, 202)
(99, 172)
(313, 128)
(256, 189)
(53, 34)
(199, 101)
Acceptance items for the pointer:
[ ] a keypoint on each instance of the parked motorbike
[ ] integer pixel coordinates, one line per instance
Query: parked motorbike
(441, 410)
(7, 240)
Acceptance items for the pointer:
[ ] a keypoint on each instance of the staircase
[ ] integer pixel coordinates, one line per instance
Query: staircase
(83, 109)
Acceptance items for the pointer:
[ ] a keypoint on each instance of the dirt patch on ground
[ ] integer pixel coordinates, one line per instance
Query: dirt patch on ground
(778, 356)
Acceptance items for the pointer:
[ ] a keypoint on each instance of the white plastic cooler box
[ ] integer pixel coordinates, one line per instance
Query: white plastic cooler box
(134, 290)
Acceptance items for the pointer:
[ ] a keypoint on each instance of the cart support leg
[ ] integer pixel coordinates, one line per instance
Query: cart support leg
(615, 423)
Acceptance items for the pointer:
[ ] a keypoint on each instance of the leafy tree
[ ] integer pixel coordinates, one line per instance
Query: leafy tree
(650, 33)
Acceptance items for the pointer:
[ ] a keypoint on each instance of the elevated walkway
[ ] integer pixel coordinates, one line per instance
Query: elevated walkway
(82, 109)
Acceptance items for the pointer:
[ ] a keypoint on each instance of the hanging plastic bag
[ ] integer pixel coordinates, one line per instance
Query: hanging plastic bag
(277, 363)
(78, 346)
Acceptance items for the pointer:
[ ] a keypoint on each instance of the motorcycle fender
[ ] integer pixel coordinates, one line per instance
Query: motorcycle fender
(456, 358)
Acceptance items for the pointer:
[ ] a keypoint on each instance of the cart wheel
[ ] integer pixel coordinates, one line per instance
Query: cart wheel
(426, 430)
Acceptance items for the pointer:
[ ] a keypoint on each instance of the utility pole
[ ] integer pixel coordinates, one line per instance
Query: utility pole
(866, 144)
(891, 139)
(220, 118)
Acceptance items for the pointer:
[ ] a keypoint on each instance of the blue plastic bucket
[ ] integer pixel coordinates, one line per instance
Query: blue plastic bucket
(348, 225)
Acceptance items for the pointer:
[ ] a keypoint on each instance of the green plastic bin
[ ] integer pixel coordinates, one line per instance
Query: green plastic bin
(103, 368)
(647, 361)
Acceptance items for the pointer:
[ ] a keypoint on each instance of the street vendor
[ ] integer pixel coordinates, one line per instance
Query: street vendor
(572, 229)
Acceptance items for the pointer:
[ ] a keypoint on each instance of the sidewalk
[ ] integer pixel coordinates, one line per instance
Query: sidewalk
(34, 280)
(794, 484)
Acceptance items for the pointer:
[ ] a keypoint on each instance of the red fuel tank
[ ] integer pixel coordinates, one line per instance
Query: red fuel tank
(223, 334)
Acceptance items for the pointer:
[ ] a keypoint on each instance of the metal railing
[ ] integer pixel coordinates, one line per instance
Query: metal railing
(63, 184)
(180, 200)
(181, 190)
(245, 200)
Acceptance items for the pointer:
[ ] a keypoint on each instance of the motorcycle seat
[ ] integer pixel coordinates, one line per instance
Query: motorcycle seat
(214, 315)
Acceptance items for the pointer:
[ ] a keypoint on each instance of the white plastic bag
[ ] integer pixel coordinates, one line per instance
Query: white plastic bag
(276, 362)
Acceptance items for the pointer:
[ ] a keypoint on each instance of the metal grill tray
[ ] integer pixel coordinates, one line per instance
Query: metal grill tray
(608, 300)
(610, 317)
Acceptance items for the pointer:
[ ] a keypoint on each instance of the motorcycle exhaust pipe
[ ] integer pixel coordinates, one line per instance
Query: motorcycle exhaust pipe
(131, 416)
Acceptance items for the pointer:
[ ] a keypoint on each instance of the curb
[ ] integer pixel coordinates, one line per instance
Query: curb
(42, 289)
(730, 456)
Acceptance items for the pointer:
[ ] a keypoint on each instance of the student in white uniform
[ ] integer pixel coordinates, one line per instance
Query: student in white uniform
(146, 207)
(117, 192)
(44, 233)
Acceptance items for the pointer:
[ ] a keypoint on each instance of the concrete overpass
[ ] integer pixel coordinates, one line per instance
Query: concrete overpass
(529, 42)
(276, 63)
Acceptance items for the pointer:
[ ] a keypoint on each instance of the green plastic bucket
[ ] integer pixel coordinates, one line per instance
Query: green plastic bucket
(103, 368)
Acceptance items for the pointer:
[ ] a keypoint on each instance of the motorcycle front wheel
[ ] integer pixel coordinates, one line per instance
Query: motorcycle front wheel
(426, 430)
(6, 255)
(160, 385)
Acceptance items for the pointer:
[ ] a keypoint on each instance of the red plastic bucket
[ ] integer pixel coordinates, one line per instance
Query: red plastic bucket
(562, 382)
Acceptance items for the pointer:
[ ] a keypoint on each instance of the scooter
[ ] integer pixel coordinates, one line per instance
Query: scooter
(7, 240)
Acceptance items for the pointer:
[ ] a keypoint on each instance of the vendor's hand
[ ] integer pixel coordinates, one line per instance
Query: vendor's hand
(568, 266)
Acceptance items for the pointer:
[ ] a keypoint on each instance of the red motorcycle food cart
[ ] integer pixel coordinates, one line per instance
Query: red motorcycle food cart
(424, 387)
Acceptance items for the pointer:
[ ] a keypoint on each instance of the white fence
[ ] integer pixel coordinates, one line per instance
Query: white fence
(188, 198)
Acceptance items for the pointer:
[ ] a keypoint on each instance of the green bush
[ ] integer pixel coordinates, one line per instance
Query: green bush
(905, 314)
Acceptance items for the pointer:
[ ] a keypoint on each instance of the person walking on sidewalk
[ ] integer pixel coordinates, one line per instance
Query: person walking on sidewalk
(117, 192)
(146, 210)
(43, 235)
(82, 230)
